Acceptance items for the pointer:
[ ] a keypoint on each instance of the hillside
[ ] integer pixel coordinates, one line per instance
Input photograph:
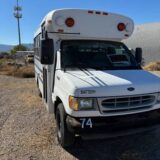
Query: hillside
(146, 36)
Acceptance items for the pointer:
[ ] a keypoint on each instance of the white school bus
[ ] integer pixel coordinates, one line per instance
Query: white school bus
(88, 78)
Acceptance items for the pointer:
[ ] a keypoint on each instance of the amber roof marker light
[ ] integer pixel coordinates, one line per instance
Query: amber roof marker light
(121, 27)
(69, 22)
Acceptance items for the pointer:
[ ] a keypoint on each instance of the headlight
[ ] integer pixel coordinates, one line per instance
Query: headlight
(82, 103)
(86, 103)
(158, 98)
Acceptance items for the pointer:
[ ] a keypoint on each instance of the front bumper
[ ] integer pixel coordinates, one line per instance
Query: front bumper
(98, 125)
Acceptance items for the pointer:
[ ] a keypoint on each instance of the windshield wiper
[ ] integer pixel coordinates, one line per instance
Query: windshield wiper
(83, 66)
(72, 66)
(99, 67)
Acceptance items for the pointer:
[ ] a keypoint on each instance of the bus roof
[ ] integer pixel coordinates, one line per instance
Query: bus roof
(87, 24)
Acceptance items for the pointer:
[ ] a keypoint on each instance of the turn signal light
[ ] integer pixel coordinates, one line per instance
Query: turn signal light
(73, 103)
(121, 27)
(69, 22)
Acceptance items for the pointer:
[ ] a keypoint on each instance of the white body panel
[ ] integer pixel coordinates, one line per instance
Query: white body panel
(88, 25)
(104, 83)
(111, 83)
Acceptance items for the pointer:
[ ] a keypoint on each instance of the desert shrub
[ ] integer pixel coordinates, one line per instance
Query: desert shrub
(25, 72)
(10, 68)
(153, 66)
(18, 48)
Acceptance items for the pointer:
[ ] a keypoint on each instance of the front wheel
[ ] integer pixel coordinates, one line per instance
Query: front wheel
(65, 137)
(38, 90)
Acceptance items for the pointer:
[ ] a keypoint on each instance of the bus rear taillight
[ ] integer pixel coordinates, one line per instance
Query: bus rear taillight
(69, 22)
(121, 27)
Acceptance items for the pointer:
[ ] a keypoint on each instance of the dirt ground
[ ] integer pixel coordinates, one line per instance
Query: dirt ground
(27, 131)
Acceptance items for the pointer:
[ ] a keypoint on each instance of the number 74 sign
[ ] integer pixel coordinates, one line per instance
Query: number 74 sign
(86, 122)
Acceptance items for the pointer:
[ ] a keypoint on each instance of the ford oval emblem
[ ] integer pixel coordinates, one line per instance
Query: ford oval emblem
(131, 89)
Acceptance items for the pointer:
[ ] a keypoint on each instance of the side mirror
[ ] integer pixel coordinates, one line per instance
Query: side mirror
(47, 51)
(138, 55)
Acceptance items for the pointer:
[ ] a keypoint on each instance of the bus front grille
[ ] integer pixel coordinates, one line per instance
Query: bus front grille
(126, 103)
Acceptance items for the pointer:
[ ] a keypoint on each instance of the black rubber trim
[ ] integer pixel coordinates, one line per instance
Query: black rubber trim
(115, 123)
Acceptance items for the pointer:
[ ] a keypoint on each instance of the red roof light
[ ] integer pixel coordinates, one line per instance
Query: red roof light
(90, 12)
(97, 12)
(105, 13)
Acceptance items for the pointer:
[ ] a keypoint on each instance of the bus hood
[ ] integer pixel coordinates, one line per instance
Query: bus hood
(92, 83)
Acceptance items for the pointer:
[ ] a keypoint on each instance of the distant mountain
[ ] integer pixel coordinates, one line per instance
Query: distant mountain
(6, 48)
(146, 36)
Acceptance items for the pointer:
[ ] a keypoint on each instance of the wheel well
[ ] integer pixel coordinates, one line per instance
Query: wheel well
(57, 102)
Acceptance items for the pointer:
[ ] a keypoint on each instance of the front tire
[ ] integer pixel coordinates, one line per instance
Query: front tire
(65, 137)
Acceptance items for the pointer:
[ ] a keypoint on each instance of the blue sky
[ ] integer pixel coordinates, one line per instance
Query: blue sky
(141, 11)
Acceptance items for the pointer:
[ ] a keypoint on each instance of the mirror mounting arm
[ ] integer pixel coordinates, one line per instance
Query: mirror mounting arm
(46, 35)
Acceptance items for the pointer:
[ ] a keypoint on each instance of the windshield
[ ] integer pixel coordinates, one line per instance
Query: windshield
(100, 55)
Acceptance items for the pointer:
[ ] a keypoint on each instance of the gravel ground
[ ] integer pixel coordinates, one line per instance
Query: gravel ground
(27, 132)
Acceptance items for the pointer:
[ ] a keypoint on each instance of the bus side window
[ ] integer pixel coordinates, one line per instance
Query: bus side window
(43, 32)
(35, 46)
(38, 45)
